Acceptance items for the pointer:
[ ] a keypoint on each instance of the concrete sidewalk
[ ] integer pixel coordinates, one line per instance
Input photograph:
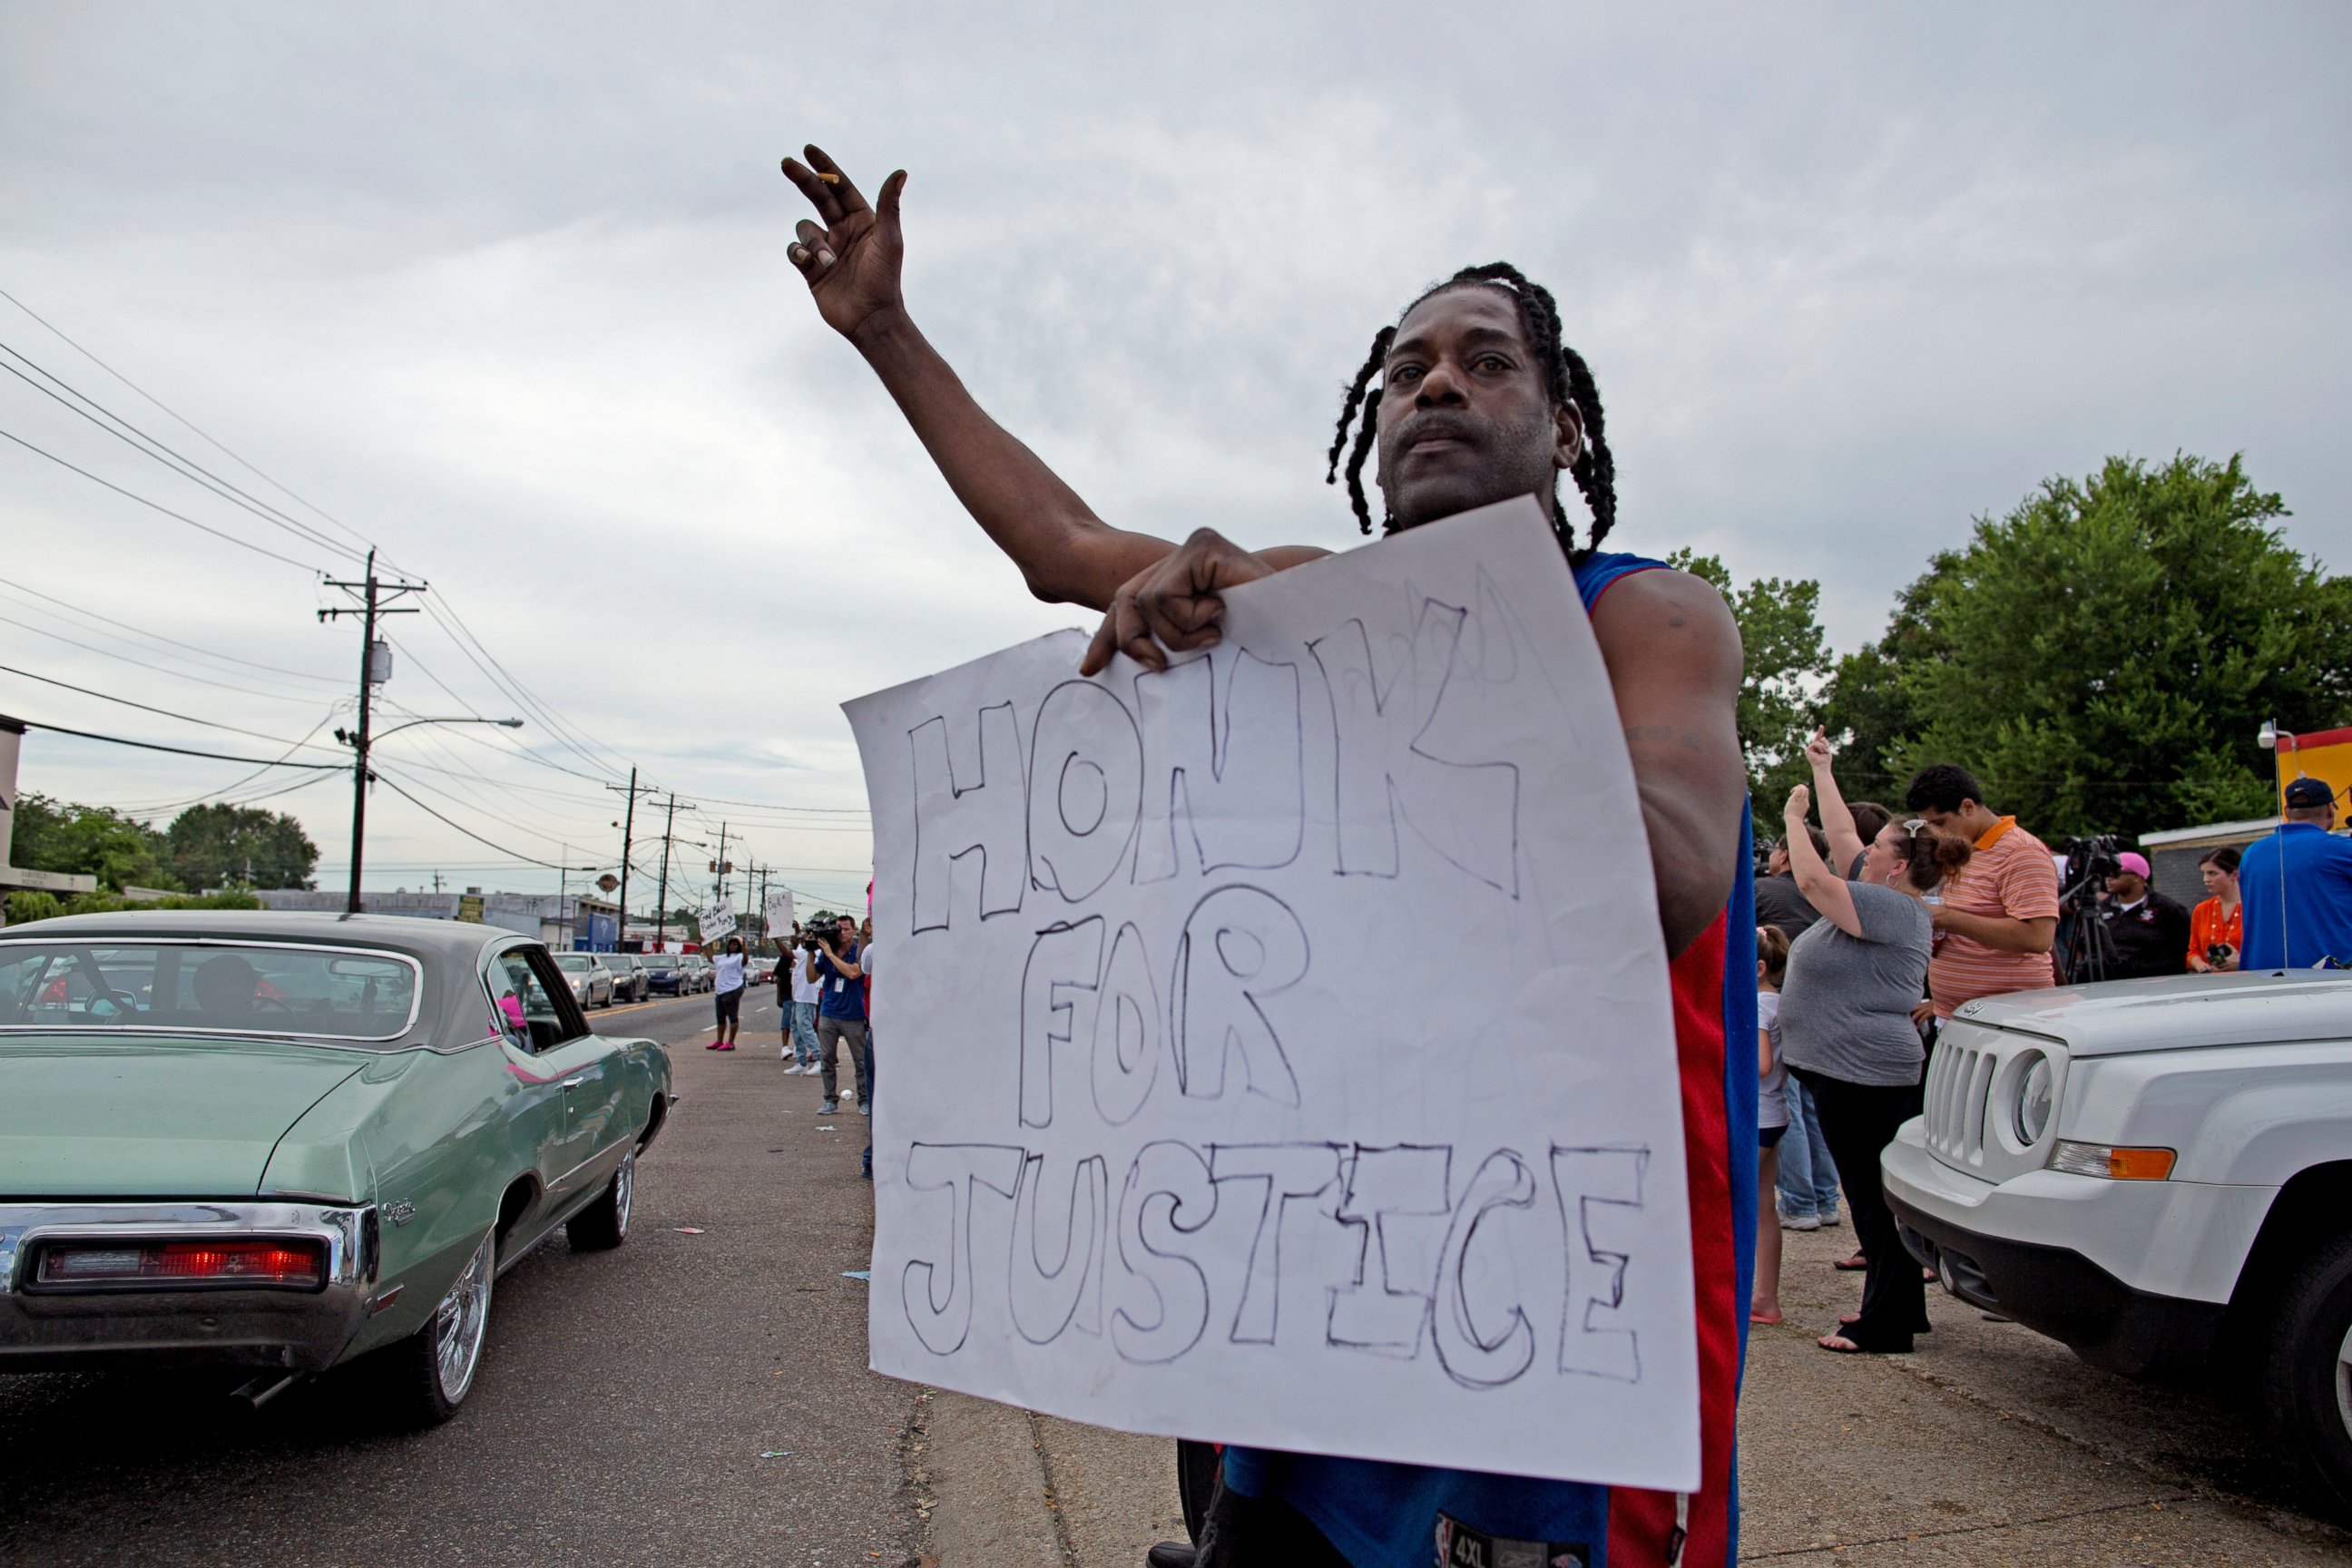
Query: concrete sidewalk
(1989, 1446)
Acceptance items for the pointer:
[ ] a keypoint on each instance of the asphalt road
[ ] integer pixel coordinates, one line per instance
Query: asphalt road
(623, 1407)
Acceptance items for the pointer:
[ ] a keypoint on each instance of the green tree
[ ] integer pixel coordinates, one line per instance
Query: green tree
(88, 841)
(1785, 661)
(224, 846)
(2102, 656)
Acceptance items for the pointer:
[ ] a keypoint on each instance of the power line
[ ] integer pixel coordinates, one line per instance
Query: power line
(179, 751)
(18, 590)
(143, 708)
(469, 832)
(60, 334)
(158, 506)
(311, 701)
(187, 469)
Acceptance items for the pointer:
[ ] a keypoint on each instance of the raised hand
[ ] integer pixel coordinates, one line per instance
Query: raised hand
(1801, 801)
(852, 260)
(1174, 603)
(1817, 750)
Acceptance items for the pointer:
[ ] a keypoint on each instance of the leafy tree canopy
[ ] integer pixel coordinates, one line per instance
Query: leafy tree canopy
(2102, 656)
(240, 846)
(88, 841)
(1786, 660)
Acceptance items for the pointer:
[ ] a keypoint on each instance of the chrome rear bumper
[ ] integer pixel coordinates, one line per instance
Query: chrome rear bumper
(299, 1331)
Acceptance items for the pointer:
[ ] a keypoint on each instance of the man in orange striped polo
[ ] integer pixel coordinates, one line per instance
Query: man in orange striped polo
(1997, 920)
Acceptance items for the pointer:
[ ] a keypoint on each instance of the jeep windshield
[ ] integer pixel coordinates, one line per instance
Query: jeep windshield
(206, 987)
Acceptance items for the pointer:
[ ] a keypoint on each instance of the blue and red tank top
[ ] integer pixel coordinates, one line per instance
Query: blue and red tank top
(1383, 1515)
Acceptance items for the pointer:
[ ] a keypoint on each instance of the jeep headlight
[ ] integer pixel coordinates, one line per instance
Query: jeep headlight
(2030, 1114)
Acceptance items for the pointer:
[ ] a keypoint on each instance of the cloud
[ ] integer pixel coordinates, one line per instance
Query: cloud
(504, 291)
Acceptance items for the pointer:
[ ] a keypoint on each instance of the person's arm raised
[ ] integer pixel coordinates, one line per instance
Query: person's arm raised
(1824, 889)
(1837, 821)
(852, 261)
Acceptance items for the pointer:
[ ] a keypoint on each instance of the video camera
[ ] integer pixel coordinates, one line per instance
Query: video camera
(2083, 947)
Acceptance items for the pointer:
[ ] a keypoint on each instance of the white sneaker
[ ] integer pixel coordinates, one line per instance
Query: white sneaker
(1800, 1222)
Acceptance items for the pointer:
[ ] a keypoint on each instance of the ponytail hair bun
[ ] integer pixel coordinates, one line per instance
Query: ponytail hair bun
(1932, 857)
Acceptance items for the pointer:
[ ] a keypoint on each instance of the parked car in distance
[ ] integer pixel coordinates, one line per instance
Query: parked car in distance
(629, 981)
(666, 973)
(700, 968)
(287, 1142)
(2158, 1174)
(591, 982)
(761, 970)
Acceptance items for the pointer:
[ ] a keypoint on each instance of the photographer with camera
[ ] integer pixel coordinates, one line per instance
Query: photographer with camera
(2147, 933)
(1998, 920)
(830, 962)
(2217, 926)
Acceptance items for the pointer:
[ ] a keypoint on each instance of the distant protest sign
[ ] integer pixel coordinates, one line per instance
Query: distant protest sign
(718, 923)
(781, 914)
(1281, 1045)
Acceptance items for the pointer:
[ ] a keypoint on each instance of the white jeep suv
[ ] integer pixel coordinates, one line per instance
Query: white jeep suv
(2129, 1167)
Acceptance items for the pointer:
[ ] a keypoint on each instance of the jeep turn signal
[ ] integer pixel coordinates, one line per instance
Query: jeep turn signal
(2116, 1164)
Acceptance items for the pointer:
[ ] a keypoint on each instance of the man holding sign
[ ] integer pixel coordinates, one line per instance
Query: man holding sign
(1431, 686)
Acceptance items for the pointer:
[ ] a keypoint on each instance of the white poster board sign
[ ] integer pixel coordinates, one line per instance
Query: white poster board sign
(782, 912)
(1281, 1045)
(718, 923)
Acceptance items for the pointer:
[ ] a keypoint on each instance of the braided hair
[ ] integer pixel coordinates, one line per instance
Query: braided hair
(1567, 379)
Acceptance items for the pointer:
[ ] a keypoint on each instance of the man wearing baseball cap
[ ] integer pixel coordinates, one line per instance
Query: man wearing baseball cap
(2147, 932)
(2296, 886)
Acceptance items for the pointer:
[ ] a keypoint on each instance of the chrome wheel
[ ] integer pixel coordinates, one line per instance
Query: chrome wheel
(2344, 1382)
(624, 1184)
(460, 1322)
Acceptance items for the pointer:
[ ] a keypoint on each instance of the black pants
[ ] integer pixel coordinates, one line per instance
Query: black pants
(1858, 1121)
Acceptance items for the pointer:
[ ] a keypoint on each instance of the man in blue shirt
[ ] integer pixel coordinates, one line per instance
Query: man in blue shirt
(2296, 886)
(840, 1012)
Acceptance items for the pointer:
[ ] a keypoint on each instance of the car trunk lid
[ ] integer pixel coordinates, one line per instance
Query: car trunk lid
(153, 1118)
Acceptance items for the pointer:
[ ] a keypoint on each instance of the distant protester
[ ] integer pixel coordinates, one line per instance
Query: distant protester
(1999, 922)
(2297, 885)
(1847, 1034)
(2217, 927)
(726, 988)
(1778, 902)
(806, 995)
(2147, 932)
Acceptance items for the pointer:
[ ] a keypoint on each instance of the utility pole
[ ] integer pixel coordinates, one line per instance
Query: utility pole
(628, 826)
(375, 667)
(661, 911)
(719, 866)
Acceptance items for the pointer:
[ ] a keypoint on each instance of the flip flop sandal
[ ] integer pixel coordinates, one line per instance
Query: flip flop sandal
(1770, 1320)
(1854, 1265)
(1852, 1348)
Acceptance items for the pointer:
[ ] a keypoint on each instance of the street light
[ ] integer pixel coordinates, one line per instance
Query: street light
(361, 742)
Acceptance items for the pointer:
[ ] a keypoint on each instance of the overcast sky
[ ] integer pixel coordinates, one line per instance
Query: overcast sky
(502, 289)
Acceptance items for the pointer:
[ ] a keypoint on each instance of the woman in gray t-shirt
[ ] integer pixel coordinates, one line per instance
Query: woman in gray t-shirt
(1846, 1034)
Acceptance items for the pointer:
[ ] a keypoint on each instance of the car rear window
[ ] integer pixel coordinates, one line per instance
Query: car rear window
(240, 988)
(572, 963)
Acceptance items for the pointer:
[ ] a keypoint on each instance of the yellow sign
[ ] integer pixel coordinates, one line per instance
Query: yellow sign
(2325, 754)
(469, 908)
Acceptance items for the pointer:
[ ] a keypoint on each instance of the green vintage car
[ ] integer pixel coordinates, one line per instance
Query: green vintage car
(286, 1141)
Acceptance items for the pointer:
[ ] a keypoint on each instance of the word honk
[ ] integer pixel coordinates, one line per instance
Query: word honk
(1280, 1047)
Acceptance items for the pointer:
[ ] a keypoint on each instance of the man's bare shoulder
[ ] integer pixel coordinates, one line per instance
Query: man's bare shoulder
(1672, 617)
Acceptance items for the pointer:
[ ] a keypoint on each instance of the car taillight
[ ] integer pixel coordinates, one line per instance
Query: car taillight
(299, 1264)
